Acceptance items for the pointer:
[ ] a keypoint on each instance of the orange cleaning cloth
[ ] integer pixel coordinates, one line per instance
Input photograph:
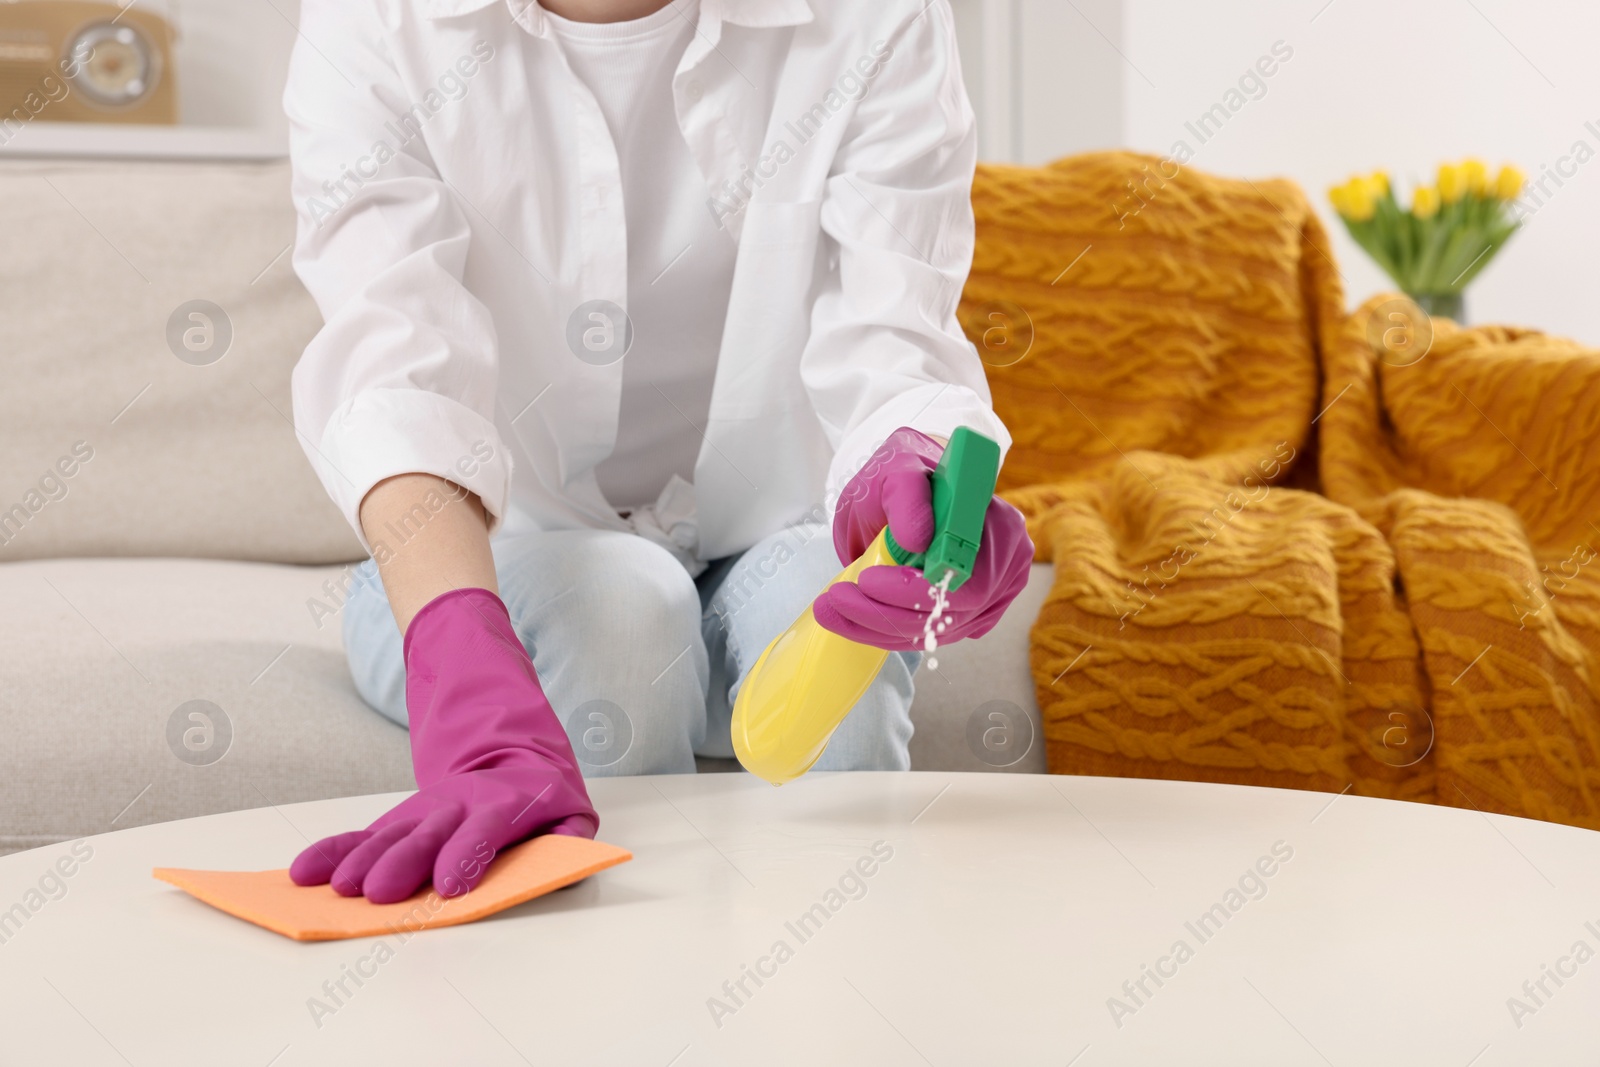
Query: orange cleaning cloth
(317, 913)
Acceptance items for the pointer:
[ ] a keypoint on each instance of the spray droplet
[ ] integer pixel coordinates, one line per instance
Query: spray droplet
(932, 627)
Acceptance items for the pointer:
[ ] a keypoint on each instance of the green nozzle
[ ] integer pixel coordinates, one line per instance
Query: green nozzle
(963, 484)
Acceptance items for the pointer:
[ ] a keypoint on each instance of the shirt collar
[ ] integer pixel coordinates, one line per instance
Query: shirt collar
(758, 13)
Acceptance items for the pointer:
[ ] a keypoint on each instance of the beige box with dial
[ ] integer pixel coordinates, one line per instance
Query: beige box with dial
(85, 61)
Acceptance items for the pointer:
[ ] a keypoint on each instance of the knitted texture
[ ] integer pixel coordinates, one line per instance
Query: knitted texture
(1293, 546)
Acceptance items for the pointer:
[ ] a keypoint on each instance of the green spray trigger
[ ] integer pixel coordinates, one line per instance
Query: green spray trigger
(963, 484)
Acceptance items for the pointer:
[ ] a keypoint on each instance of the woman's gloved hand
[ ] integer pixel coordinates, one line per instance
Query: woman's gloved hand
(887, 607)
(492, 761)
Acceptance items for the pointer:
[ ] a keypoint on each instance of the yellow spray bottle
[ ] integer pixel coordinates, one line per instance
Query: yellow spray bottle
(808, 678)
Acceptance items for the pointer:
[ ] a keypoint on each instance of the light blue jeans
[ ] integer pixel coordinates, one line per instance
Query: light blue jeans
(641, 661)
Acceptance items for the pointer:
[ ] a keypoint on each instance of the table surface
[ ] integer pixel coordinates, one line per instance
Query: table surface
(1001, 915)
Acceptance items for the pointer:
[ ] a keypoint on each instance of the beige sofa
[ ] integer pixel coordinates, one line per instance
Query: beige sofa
(163, 541)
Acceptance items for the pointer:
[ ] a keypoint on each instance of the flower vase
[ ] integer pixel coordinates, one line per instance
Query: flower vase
(1443, 305)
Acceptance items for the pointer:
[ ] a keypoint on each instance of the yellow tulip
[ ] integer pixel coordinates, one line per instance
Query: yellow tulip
(1340, 202)
(1477, 176)
(1508, 183)
(1378, 182)
(1359, 201)
(1425, 202)
(1452, 183)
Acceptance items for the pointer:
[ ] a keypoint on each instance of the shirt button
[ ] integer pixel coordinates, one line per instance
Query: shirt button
(694, 91)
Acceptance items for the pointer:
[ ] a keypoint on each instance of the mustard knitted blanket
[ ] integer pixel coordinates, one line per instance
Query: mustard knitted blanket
(1293, 546)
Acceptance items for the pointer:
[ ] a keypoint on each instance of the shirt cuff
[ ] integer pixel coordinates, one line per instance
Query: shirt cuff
(381, 433)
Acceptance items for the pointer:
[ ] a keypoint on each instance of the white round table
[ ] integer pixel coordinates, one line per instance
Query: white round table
(913, 919)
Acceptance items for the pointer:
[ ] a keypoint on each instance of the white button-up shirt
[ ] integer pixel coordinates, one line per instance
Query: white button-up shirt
(460, 203)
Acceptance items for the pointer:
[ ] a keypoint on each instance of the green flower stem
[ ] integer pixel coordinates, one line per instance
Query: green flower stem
(1437, 256)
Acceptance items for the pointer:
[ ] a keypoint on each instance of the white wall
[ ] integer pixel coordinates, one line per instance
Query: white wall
(1401, 85)
(1071, 77)
(235, 57)
(1044, 75)
(1398, 84)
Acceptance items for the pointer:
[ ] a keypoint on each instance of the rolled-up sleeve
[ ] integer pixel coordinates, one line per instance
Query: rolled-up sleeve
(402, 377)
(886, 349)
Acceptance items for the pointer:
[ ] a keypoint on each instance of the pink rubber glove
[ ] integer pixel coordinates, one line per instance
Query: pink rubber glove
(887, 607)
(493, 763)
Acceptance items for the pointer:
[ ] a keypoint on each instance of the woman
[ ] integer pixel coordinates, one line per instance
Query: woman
(620, 298)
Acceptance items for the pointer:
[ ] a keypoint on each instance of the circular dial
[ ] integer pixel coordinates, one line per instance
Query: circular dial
(116, 65)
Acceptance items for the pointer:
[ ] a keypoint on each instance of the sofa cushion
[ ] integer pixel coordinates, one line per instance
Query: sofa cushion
(978, 711)
(138, 691)
(104, 661)
(110, 443)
